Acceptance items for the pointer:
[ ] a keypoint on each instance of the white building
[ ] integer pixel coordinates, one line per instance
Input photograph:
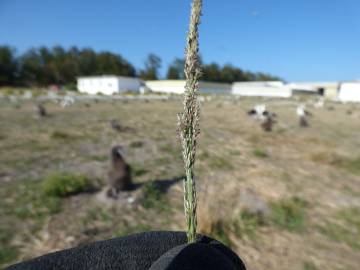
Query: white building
(349, 91)
(262, 89)
(327, 89)
(178, 87)
(108, 84)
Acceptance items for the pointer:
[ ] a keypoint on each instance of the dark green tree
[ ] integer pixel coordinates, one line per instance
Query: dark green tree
(176, 70)
(152, 66)
(8, 66)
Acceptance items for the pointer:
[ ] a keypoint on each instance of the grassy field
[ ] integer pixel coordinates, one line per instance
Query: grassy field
(289, 199)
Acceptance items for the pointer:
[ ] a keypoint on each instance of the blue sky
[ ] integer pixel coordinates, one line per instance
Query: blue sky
(297, 40)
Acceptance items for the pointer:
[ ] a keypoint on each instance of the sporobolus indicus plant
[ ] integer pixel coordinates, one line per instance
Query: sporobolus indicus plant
(189, 118)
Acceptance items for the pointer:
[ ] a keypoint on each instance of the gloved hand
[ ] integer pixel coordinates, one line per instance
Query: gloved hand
(143, 251)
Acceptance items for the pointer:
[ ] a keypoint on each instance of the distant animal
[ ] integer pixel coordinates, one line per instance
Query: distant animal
(268, 119)
(41, 110)
(268, 122)
(119, 174)
(258, 112)
(302, 113)
(115, 125)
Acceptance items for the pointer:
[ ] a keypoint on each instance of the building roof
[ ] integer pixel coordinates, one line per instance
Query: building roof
(107, 76)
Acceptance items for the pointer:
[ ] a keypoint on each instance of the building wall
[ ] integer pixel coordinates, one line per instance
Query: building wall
(107, 85)
(129, 84)
(261, 89)
(178, 87)
(350, 91)
(329, 89)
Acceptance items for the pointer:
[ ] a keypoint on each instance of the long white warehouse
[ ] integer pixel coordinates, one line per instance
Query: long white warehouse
(262, 89)
(178, 87)
(108, 84)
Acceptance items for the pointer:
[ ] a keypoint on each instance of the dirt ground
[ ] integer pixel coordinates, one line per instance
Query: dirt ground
(286, 199)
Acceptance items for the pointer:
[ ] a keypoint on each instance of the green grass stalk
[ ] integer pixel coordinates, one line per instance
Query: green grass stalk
(189, 119)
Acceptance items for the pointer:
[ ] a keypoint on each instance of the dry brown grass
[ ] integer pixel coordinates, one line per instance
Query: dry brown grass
(319, 165)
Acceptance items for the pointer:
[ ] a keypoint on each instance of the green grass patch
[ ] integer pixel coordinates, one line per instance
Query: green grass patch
(219, 231)
(62, 135)
(8, 252)
(138, 171)
(136, 144)
(260, 153)
(248, 223)
(25, 200)
(352, 165)
(153, 197)
(346, 229)
(171, 150)
(220, 163)
(100, 158)
(65, 184)
(204, 155)
(289, 214)
(309, 266)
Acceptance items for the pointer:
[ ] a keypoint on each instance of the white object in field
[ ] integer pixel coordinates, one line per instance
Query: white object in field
(260, 109)
(300, 111)
(108, 85)
(178, 87)
(350, 92)
(67, 101)
(262, 89)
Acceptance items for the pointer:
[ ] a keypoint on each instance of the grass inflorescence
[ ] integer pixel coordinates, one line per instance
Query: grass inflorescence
(189, 119)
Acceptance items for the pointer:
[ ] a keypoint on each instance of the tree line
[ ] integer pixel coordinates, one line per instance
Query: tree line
(45, 66)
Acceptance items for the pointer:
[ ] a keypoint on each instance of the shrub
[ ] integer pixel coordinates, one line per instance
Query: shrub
(289, 213)
(64, 184)
(260, 153)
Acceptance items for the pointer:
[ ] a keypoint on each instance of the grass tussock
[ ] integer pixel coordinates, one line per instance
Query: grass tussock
(65, 184)
(260, 153)
(289, 214)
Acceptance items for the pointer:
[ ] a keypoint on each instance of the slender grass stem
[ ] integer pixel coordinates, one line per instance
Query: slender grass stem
(189, 119)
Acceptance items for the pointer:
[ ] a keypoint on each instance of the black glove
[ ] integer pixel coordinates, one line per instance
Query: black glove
(143, 251)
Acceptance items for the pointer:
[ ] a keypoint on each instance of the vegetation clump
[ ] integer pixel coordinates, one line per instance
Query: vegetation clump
(289, 213)
(260, 153)
(153, 197)
(65, 184)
